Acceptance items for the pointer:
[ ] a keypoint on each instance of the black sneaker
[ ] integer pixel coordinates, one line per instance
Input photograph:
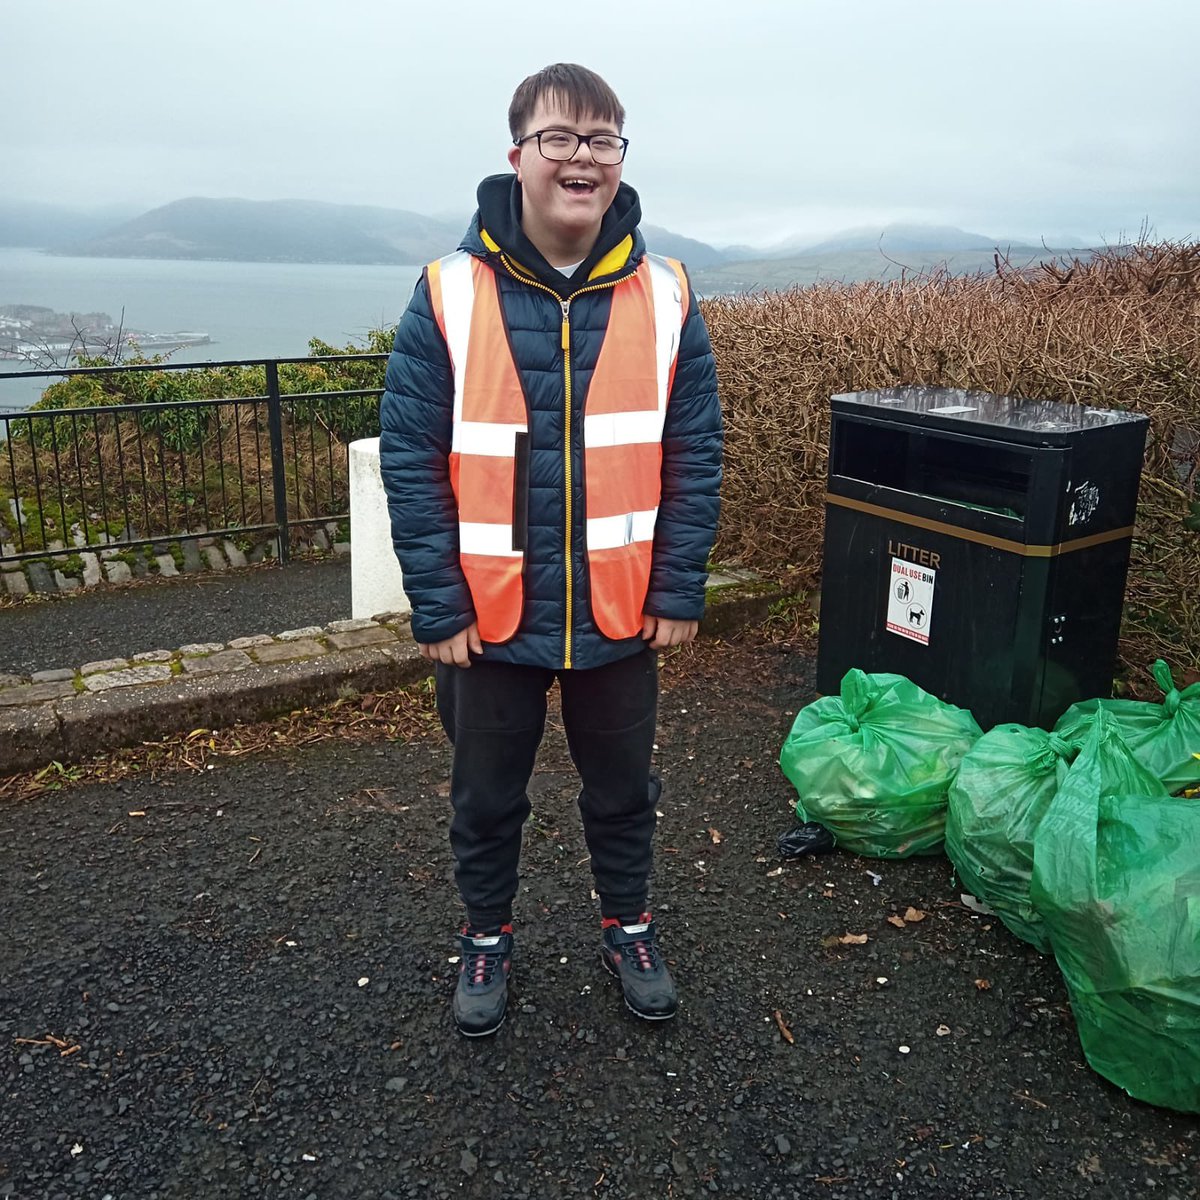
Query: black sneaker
(482, 993)
(632, 954)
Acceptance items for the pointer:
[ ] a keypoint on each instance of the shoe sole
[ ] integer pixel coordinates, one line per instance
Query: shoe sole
(479, 1033)
(645, 1016)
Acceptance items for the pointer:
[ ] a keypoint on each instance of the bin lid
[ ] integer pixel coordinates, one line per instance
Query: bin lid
(1016, 415)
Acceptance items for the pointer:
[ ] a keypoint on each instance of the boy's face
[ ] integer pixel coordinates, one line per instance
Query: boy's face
(567, 199)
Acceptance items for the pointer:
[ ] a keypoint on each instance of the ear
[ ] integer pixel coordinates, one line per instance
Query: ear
(514, 159)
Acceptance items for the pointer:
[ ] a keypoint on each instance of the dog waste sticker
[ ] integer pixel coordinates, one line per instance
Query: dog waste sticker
(910, 600)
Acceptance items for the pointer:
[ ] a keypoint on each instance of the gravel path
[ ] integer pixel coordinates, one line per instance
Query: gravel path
(163, 614)
(247, 988)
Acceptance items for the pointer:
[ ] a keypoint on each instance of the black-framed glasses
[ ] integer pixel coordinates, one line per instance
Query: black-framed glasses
(561, 145)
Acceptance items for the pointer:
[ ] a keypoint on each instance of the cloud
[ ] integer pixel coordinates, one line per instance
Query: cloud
(746, 121)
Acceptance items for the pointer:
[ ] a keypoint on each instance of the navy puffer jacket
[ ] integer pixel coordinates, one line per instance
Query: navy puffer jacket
(416, 417)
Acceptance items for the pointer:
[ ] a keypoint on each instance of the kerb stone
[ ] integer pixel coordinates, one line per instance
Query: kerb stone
(103, 664)
(29, 737)
(35, 693)
(308, 631)
(16, 583)
(255, 639)
(56, 675)
(351, 624)
(354, 638)
(151, 673)
(284, 651)
(193, 648)
(218, 664)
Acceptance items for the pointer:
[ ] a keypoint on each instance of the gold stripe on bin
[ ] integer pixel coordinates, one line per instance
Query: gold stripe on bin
(981, 539)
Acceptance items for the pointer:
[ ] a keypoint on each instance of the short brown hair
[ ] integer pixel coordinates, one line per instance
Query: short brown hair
(581, 93)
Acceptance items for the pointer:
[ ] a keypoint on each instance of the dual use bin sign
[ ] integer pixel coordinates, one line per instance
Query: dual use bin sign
(910, 600)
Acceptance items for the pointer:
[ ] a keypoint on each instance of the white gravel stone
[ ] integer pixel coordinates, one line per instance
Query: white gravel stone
(117, 571)
(294, 635)
(166, 565)
(67, 583)
(91, 569)
(235, 556)
(213, 556)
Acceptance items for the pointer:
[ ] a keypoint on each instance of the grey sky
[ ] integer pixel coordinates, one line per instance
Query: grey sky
(749, 121)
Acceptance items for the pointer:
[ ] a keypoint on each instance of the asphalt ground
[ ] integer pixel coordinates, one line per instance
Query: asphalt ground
(43, 633)
(235, 981)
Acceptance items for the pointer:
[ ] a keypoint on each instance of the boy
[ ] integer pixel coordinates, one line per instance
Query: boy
(551, 452)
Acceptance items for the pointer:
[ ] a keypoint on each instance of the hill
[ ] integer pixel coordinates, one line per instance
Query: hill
(44, 226)
(695, 254)
(850, 266)
(308, 231)
(274, 231)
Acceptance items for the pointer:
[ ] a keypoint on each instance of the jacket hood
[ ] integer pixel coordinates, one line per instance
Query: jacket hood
(498, 221)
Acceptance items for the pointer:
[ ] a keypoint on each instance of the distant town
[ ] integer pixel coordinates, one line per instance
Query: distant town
(36, 335)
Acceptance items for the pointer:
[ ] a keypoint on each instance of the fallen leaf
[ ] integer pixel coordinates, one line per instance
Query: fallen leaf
(784, 1031)
(895, 920)
(853, 939)
(137, 813)
(716, 835)
(776, 871)
(983, 984)
(942, 1031)
(913, 915)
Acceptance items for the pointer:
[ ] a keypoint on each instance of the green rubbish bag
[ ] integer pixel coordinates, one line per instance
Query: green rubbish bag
(873, 764)
(1002, 791)
(1164, 738)
(1116, 879)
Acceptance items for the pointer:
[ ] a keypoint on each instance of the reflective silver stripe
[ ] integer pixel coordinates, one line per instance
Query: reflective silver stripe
(478, 537)
(458, 301)
(668, 319)
(493, 439)
(605, 533)
(622, 429)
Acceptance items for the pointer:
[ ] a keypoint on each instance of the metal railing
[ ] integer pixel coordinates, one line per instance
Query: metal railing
(124, 475)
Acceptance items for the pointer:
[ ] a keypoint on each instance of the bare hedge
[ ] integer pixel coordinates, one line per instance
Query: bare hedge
(1121, 330)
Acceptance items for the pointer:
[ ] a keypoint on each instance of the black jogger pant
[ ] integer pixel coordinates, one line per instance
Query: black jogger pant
(494, 714)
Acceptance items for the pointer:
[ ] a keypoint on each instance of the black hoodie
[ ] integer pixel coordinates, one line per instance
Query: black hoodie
(499, 212)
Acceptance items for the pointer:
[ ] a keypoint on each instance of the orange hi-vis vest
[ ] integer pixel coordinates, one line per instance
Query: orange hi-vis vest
(622, 438)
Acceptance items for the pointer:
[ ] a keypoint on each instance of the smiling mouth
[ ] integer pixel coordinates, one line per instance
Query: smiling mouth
(580, 187)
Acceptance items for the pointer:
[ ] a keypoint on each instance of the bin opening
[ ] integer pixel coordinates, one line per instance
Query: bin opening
(987, 476)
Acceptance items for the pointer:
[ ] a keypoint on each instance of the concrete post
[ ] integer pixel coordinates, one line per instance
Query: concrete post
(376, 585)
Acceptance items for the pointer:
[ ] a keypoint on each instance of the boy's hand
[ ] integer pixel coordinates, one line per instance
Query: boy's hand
(662, 632)
(455, 651)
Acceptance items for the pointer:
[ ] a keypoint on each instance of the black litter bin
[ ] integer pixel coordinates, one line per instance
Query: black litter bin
(978, 544)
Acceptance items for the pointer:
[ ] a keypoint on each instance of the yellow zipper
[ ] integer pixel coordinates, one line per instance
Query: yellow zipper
(565, 305)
